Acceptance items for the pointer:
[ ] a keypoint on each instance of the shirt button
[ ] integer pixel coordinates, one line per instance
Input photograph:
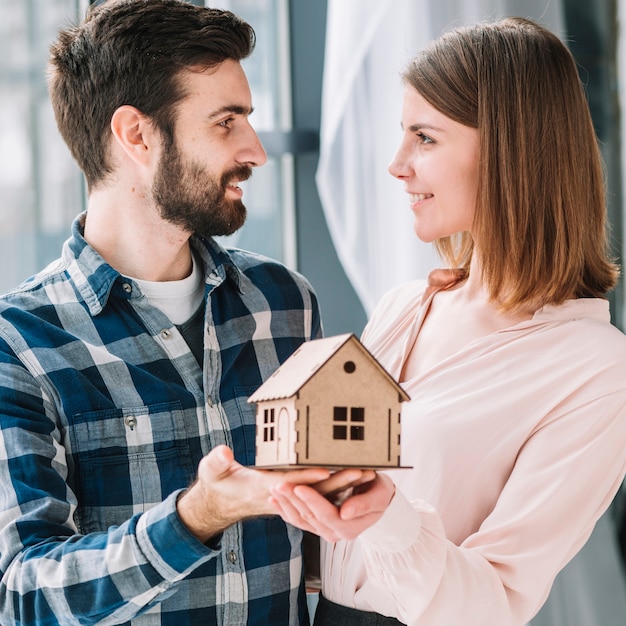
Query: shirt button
(130, 421)
(127, 288)
(165, 334)
(232, 557)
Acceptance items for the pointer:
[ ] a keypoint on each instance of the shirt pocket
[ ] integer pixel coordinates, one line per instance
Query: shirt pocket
(126, 461)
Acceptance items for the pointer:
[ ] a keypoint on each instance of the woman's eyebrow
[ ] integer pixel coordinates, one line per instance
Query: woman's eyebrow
(420, 126)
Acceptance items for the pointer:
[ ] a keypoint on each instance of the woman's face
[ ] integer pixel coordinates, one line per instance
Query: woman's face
(438, 163)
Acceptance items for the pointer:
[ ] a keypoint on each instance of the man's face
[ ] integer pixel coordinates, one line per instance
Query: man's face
(196, 183)
(196, 200)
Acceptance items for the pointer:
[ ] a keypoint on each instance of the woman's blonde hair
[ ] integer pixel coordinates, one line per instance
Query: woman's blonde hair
(540, 223)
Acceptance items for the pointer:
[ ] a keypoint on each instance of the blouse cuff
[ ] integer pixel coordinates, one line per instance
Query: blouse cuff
(398, 528)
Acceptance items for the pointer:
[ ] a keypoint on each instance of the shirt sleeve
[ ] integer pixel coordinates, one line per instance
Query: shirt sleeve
(49, 572)
(563, 480)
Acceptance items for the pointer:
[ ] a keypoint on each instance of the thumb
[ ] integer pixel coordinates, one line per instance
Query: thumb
(219, 460)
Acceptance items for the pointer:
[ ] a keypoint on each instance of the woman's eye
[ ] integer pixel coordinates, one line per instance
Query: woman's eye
(424, 138)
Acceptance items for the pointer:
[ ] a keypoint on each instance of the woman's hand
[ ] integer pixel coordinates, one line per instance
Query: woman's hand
(334, 508)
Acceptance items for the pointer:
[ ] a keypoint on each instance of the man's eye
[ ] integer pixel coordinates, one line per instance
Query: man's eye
(226, 123)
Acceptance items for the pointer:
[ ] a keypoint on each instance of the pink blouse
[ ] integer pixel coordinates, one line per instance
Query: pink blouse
(518, 445)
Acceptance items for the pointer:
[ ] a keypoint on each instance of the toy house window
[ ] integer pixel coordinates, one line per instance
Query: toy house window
(269, 421)
(348, 423)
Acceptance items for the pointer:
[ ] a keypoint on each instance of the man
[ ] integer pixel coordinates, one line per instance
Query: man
(125, 366)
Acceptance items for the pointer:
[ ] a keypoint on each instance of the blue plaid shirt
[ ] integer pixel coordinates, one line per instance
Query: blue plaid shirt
(105, 414)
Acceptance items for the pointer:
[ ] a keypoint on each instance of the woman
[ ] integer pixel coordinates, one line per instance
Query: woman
(516, 428)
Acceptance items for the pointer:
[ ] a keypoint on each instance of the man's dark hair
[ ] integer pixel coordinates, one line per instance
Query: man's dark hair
(131, 52)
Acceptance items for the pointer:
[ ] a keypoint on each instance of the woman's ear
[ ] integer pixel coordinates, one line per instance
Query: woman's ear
(135, 134)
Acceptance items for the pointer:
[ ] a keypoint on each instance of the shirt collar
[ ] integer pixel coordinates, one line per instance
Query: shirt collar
(95, 279)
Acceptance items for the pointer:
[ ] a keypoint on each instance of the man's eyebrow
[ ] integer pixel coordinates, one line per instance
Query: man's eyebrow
(237, 109)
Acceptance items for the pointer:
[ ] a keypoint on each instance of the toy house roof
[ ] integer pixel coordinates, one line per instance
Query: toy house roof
(305, 362)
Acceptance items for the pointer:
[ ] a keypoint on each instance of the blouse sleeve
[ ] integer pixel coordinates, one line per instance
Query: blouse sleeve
(563, 480)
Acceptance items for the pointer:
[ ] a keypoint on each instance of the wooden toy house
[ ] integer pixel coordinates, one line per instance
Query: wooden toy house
(330, 404)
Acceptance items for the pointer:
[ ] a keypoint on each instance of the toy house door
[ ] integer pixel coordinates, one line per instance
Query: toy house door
(284, 454)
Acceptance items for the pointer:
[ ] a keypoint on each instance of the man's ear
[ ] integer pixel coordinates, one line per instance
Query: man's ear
(135, 134)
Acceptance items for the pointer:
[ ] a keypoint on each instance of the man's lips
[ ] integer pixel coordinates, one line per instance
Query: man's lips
(233, 187)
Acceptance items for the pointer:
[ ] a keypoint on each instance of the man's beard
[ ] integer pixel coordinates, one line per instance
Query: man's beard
(189, 197)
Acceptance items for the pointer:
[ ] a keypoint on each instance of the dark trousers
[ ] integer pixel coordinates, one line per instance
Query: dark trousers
(330, 614)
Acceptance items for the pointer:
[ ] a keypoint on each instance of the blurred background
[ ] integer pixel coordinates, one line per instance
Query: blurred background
(327, 97)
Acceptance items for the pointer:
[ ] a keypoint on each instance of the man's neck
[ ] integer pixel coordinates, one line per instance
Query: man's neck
(136, 241)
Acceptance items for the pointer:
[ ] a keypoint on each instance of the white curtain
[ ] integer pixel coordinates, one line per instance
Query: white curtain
(367, 44)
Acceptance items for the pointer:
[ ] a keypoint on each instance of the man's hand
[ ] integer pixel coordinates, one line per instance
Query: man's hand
(315, 508)
(226, 492)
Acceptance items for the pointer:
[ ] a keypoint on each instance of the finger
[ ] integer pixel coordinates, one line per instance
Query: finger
(318, 511)
(293, 512)
(306, 506)
(306, 520)
(368, 476)
(371, 499)
(307, 476)
(342, 480)
(289, 513)
(327, 520)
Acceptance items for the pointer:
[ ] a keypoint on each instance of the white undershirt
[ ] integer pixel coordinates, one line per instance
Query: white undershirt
(178, 299)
